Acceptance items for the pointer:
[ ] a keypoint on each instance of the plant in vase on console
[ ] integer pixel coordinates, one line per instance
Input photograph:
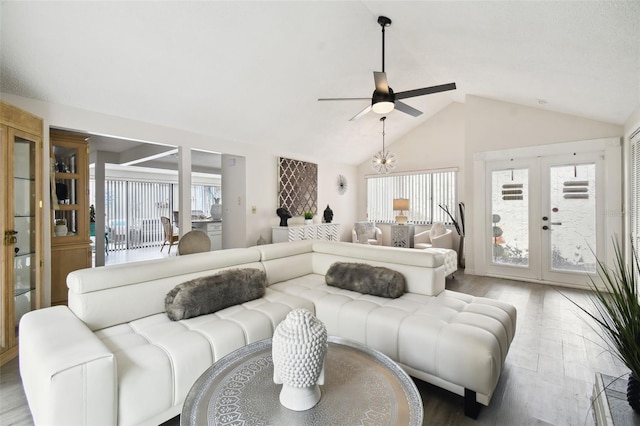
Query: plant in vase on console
(308, 218)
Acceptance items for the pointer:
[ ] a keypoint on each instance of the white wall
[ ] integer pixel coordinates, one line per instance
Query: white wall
(436, 144)
(261, 170)
(456, 134)
(494, 125)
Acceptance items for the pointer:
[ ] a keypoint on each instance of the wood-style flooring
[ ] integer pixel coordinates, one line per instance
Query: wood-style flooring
(547, 380)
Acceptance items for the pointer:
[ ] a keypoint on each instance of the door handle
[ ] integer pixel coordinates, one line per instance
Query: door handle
(556, 223)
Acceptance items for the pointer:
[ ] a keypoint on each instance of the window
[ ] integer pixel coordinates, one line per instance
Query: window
(133, 209)
(426, 191)
(202, 197)
(635, 188)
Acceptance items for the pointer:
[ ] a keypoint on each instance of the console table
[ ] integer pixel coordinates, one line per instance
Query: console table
(319, 231)
(362, 386)
(402, 236)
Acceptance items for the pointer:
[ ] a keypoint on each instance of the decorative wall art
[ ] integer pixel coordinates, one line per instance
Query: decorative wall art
(297, 186)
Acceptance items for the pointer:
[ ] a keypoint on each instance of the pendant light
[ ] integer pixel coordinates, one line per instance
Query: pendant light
(384, 161)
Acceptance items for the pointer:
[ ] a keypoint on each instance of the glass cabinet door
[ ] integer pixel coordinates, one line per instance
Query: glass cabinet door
(66, 200)
(24, 199)
(21, 221)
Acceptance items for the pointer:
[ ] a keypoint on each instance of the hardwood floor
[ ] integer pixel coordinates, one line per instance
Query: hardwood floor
(547, 380)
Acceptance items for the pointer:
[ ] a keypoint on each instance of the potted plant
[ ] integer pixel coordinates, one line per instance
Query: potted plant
(308, 218)
(616, 311)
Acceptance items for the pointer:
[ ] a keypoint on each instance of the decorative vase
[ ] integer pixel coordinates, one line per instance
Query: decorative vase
(308, 221)
(60, 230)
(216, 211)
(298, 350)
(328, 214)
(633, 393)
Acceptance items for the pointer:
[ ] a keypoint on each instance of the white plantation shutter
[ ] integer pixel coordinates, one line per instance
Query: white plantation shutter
(425, 190)
(635, 188)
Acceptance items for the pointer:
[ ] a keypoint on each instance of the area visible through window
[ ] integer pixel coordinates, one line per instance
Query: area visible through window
(426, 191)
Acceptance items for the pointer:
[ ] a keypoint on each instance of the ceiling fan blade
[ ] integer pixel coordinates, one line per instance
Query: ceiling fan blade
(344, 99)
(401, 106)
(361, 113)
(425, 91)
(381, 82)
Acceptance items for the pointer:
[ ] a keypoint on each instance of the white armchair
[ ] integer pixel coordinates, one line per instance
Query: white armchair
(437, 237)
(366, 233)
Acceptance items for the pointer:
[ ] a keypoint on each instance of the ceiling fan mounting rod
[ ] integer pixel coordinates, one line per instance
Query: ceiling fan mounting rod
(384, 22)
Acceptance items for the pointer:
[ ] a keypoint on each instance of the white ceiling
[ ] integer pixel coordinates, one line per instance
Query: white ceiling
(252, 71)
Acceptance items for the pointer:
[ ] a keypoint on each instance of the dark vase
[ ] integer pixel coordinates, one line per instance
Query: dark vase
(328, 214)
(633, 393)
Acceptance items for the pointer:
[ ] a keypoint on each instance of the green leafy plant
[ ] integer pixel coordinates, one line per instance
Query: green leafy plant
(308, 215)
(92, 213)
(616, 307)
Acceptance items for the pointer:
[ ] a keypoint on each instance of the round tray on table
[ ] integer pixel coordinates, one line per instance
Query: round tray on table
(362, 386)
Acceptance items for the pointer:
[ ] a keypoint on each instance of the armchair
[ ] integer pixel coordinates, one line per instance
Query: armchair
(366, 233)
(437, 237)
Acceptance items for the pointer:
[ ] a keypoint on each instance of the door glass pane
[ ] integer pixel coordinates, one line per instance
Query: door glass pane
(573, 217)
(24, 224)
(510, 217)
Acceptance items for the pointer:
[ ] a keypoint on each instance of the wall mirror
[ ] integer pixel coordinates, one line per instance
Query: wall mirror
(297, 186)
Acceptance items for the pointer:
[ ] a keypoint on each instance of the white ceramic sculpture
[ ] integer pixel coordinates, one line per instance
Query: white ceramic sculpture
(299, 348)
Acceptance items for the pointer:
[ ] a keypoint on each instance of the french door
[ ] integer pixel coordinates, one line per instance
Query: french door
(546, 217)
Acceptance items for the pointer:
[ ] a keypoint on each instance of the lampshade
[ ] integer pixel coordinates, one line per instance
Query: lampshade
(401, 204)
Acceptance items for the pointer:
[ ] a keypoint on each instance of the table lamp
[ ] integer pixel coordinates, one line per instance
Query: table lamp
(401, 204)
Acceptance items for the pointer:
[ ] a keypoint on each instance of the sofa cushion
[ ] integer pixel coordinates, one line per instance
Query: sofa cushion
(366, 279)
(205, 295)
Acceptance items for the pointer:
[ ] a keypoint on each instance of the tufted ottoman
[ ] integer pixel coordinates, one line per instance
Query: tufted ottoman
(456, 341)
(450, 259)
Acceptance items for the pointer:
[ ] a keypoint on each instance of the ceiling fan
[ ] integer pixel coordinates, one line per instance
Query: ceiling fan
(384, 99)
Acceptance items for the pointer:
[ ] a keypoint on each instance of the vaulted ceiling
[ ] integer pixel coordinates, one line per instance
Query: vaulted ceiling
(252, 71)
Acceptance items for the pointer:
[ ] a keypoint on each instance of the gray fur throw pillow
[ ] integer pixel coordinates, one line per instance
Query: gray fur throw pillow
(366, 279)
(212, 293)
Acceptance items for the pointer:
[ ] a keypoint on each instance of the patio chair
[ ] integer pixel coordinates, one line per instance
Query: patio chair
(169, 238)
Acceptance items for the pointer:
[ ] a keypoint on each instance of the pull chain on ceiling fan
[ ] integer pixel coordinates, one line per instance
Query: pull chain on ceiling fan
(384, 100)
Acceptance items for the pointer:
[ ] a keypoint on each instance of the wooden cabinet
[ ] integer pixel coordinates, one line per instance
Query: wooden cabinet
(70, 242)
(21, 221)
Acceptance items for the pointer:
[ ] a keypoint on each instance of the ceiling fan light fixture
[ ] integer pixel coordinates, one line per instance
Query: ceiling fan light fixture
(383, 107)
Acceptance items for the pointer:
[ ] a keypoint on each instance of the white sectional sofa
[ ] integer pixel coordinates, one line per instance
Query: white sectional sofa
(114, 357)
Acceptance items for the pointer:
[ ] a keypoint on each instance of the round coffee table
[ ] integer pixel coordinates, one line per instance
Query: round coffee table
(362, 386)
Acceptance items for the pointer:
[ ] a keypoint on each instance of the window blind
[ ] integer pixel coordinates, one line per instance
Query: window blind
(426, 191)
(635, 188)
